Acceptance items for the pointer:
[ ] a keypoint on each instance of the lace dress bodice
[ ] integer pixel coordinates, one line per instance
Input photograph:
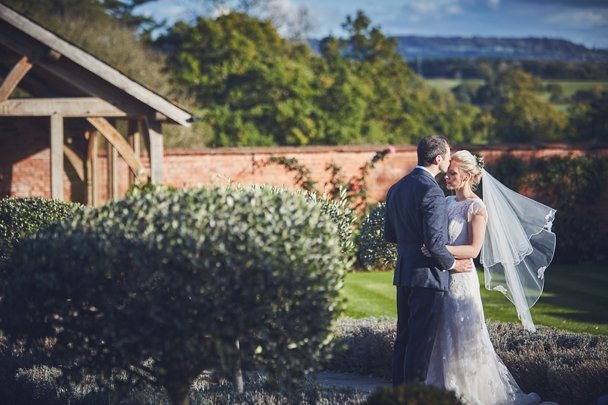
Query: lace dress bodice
(459, 215)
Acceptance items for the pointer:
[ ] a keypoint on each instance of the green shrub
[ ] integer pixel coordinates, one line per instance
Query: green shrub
(343, 216)
(374, 252)
(165, 284)
(572, 186)
(412, 394)
(20, 217)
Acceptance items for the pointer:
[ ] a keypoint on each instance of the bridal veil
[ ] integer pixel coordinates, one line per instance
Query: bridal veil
(518, 246)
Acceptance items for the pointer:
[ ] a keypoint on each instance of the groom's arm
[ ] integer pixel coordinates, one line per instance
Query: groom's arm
(434, 228)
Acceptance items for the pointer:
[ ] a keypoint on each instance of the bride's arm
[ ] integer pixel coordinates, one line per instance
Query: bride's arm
(477, 232)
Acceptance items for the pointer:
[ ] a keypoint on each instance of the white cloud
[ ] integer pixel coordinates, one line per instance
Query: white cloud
(424, 6)
(493, 3)
(453, 9)
(580, 18)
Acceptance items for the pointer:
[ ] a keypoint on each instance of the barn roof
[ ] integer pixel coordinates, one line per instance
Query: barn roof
(60, 69)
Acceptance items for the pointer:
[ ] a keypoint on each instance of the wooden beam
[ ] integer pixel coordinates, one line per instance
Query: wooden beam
(66, 107)
(76, 161)
(57, 157)
(82, 68)
(116, 139)
(14, 77)
(153, 135)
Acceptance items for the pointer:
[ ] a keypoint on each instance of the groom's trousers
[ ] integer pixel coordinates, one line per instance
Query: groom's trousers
(418, 314)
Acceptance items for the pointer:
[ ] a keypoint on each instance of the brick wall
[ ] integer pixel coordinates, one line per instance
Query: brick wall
(30, 175)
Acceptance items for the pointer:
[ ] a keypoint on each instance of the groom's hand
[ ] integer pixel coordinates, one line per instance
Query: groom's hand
(463, 266)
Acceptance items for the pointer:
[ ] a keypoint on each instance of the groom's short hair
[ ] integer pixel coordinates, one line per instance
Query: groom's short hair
(430, 147)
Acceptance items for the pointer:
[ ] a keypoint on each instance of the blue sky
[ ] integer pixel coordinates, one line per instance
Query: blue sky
(580, 21)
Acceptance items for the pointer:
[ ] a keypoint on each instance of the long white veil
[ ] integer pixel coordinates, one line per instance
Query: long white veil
(518, 246)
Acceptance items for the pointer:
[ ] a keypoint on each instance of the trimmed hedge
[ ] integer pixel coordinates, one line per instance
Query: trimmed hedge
(20, 217)
(374, 252)
(572, 186)
(164, 284)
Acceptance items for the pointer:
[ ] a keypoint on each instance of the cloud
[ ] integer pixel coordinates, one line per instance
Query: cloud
(571, 3)
(580, 18)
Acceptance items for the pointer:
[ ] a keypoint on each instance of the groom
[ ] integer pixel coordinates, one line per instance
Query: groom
(416, 215)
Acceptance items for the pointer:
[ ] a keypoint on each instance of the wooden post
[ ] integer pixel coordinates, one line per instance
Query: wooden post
(57, 157)
(112, 173)
(134, 138)
(156, 152)
(92, 169)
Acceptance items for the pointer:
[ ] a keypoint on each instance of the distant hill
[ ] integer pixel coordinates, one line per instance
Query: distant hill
(417, 47)
(413, 47)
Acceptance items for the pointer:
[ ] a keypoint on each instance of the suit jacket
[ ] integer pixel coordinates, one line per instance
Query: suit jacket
(416, 214)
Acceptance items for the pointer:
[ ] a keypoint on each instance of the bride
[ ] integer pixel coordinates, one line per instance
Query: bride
(516, 243)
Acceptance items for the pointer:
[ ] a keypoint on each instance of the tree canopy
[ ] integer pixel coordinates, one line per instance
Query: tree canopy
(250, 85)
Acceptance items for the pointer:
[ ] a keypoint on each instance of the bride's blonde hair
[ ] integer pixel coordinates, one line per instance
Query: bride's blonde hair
(469, 163)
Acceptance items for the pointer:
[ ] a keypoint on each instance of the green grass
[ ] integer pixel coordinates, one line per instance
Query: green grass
(574, 299)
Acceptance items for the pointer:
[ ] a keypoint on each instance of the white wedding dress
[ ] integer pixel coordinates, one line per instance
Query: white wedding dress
(463, 358)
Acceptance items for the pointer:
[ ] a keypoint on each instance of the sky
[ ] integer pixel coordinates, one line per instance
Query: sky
(580, 21)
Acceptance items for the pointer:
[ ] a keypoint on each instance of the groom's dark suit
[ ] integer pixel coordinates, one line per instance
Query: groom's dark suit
(416, 214)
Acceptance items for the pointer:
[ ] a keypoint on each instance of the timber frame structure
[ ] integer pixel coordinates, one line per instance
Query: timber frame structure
(75, 99)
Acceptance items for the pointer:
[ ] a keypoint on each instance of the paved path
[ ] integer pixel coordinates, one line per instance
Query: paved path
(363, 384)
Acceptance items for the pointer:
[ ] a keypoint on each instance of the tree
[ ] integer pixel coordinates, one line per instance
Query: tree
(589, 120)
(524, 117)
(389, 102)
(164, 284)
(255, 86)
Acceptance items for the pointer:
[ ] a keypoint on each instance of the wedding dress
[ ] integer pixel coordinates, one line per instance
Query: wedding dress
(463, 359)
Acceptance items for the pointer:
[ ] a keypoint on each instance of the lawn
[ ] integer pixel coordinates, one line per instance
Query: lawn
(574, 299)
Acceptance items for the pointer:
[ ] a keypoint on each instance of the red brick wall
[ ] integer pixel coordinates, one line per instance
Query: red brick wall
(192, 168)
(30, 175)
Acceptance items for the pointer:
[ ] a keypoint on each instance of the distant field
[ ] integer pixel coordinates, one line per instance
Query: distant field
(449, 84)
(570, 87)
(574, 299)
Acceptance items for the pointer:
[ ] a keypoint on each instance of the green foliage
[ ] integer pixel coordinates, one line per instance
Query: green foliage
(255, 86)
(374, 252)
(568, 183)
(412, 394)
(546, 69)
(510, 170)
(353, 190)
(571, 185)
(259, 89)
(21, 217)
(589, 119)
(343, 215)
(164, 284)
(525, 117)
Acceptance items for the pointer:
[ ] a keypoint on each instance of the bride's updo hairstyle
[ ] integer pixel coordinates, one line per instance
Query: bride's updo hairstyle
(469, 163)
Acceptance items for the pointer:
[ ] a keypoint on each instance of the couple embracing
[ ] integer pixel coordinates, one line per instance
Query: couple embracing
(442, 337)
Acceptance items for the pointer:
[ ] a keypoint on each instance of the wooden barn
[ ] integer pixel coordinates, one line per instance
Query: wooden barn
(68, 121)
